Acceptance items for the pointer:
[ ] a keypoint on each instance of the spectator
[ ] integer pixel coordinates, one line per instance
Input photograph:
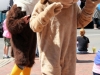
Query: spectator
(96, 17)
(6, 36)
(82, 42)
(82, 3)
(79, 3)
(96, 66)
(10, 4)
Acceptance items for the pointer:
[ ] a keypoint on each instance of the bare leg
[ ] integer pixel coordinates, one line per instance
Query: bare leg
(4, 49)
(95, 26)
(7, 49)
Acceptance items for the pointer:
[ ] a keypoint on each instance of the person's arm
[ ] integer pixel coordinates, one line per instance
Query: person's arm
(88, 42)
(40, 17)
(85, 16)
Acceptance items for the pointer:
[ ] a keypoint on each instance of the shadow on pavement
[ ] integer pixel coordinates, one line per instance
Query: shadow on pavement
(84, 54)
(84, 61)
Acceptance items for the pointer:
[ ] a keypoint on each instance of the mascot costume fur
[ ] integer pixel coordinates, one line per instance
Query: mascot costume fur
(23, 40)
(56, 23)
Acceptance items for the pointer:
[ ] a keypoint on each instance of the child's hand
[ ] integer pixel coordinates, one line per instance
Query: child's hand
(54, 8)
(26, 18)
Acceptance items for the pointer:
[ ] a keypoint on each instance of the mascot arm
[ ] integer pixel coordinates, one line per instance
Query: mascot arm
(85, 16)
(15, 25)
(15, 21)
(41, 18)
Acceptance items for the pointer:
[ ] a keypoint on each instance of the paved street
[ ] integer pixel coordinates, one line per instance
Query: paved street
(83, 65)
(94, 36)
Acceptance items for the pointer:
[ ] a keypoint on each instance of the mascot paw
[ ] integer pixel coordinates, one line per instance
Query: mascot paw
(54, 8)
(58, 8)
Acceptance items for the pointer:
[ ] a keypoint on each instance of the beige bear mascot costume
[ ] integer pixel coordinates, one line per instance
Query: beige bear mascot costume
(56, 23)
(23, 39)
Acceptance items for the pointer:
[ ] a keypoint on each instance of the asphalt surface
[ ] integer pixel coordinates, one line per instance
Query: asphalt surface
(93, 35)
(83, 65)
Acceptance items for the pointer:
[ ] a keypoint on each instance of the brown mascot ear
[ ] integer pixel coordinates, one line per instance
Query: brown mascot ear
(44, 1)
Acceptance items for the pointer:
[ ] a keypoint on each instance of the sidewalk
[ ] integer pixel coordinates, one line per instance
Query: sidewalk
(83, 66)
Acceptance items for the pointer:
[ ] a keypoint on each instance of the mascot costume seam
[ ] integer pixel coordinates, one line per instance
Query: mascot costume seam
(56, 23)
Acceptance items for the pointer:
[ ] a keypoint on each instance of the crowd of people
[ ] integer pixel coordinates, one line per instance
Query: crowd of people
(46, 27)
(96, 15)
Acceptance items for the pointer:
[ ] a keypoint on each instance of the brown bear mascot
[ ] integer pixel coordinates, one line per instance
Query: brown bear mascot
(56, 23)
(23, 39)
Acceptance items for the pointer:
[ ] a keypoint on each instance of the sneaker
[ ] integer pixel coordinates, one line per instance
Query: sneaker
(6, 57)
(95, 28)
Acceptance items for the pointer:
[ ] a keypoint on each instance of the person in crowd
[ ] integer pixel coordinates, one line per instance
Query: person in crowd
(82, 3)
(79, 3)
(56, 23)
(23, 39)
(96, 17)
(6, 36)
(82, 42)
(10, 4)
(96, 65)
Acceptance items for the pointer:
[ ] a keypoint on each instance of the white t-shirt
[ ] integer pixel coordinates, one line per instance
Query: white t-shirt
(79, 2)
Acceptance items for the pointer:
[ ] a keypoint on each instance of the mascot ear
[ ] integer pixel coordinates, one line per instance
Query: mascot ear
(44, 1)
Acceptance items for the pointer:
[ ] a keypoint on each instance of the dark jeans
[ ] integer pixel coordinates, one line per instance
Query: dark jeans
(95, 73)
(96, 21)
(37, 52)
